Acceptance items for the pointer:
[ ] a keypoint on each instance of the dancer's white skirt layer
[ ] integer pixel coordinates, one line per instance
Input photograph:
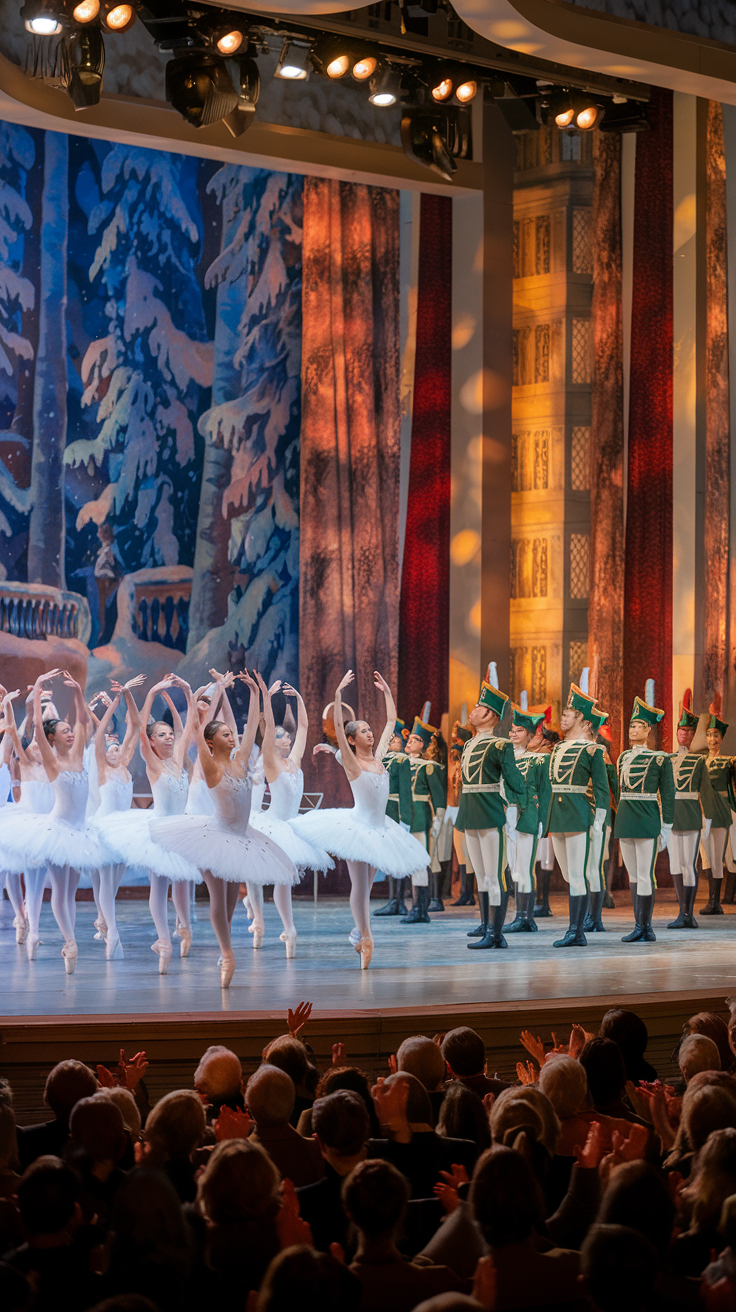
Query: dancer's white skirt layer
(305, 855)
(30, 840)
(128, 835)
(227, 854)
(390, 849)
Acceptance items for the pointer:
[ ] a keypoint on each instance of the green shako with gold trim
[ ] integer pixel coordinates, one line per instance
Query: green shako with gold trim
(492, 698)
(643, 711)
(526, 719)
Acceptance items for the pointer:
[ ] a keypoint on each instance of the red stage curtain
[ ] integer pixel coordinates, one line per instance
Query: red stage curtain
(424, 638)
(647, 649)
(350, 440)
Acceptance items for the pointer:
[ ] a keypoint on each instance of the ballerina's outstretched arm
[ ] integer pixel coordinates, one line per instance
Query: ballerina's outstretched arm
(152, 761)
(349, 761)
(302, 725)
(12, 736)
(271, 763)
(222, 709)
(182, 745)
(251, 724)
(82, 720)
(133, 719)
(387, 734)
(100, 741)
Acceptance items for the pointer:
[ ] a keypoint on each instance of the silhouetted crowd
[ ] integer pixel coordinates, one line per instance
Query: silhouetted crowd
(589, 1184)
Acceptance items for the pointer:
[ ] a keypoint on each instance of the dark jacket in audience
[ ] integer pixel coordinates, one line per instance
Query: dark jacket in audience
(47, 1139)
(399, 1286)
(422, 1160)
(298, 1159)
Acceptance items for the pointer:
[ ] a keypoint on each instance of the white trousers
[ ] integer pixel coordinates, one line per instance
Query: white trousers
(461, 850)
(545, 854)
(712, 850)
(571, 851)
(420, 878)
(639, 857)
(682, 847)
(593, 871)
(486, 851)
(523, 862)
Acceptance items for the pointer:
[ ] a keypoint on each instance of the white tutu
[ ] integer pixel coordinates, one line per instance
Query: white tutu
(128, 835)
(364, 832)
(32, 840)
(304, 854)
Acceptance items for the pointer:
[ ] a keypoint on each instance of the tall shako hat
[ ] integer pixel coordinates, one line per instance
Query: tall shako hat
(529, 720)
(643, 711)
(421, 726)
(400, 730)
(581, 702)
(490, 695)
(715, 722)
(688, 719)
(597, 718)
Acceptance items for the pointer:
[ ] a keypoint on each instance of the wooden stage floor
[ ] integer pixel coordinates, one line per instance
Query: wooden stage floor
(422, 980)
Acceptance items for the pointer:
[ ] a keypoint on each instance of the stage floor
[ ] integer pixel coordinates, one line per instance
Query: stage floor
(414, 967)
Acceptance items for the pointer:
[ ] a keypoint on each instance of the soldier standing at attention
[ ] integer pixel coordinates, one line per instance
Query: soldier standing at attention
(526, 736)
(429, 798)
(399, 808)
(694, 808)
(594, 875)
(720, 772)
(487, 760)
(645, 781)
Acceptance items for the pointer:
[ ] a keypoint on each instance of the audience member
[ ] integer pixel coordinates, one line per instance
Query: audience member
(709, 1104)
(290, 1055)
(56, 1258)
(421, 1057)
(174, 1130)
(66, 1084)
(96, 1147)
(411, 1144)
(152, 1251)
(697, 1053)
(720, 1274)
(712, 1181)
(312, 1282)
(713, 1027)
(218, 1080)
(606, 1073)
(629, 1033)
(463, 1116)
(238, 1196)
(342, 1077)
(619, 1269)
(9, 1177)
(465, 1057)
(341, 1128)
(269, 1097)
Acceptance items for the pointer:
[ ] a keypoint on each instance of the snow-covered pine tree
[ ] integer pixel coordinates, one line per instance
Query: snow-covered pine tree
(148, 372)
(256, 410)
(17, 294)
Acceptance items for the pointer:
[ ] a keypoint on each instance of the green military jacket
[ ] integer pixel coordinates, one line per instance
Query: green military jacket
(399, 807)
(533, 766)
(486, 762)
(428, 793)
(612, 776)
(645, 781)
(572, 768)
(720, 774)
(693, 791)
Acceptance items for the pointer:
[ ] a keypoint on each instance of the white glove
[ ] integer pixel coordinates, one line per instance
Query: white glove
(600, 819)
(539, 829)
(437, 822)
(512, 813)
(664, 835)
(706, 829)
(451, 813)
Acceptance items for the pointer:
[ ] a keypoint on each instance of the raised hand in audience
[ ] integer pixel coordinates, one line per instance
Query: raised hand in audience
(485, 1283)
(534, 1047)
(448, 1186)
(297, 1019)
(527, 1072)
(630, 1149)
(578, 1039)
(232, 1123)
(290, 1228)
(390, 1102)
(591, 1153)
(127, 1074)
(339, 1054)
(393, 1065)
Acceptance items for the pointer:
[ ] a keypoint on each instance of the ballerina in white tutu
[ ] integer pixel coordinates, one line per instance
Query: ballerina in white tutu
(364, 836)
(129, 835)
(115, 786)
(224, 846)
(283, 772)
(61, 841)
(37, 796)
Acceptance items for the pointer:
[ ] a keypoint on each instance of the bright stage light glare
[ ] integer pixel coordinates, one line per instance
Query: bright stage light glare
(443, 89)
(466, 91)
(43, 25)
(120, 17)
(364, 68)
(293, 63)
(86, 11)
(338, 66)
(229, 42)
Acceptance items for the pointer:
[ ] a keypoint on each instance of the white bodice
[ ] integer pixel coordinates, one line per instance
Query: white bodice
(71, 790)
(232, 799)
(170, 794)
(370, 794)
(286, 794)
(115, 795)
(36, 795)
(199, 801)
(258, 793)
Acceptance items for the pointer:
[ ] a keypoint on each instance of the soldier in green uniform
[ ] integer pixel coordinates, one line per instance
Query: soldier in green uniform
(526, 736)
(429, 798)
(595, 877)
(574, 764)
(720, 773)
(461, 734)
(487, 761)
(645, 783)
(399, 808)
(693, 811)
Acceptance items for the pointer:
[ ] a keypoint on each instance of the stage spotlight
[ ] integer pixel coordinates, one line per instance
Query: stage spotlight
(331, 57)
(364, 68)
(249, 85)
(589, 117)
(199, 88)
(466, 91)
(442, 89)
(572, 110)
(293, 62)
(86, 63)
(385, 88)
(229, 42)
(424, 139)
(40, 19)
(118, 18)
(86, 11)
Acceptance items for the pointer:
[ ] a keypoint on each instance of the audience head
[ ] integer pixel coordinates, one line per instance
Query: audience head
(48, 1199)
(175, 1126)
(418, 1106)
(712, 1179)
(124, 1099)
(375, 1197)
(148, 1223)
(464, 1052)
(313, 1282)
(541, 1104)
(637, 1196)
(239, 1183)
(270, 1095)
(619, 1268)
(219, 1076)
(697, 1053)
(709, 1104)
(511, 1113)
(727, 1223)
(96, 1127)
(66, 1084)
(288, 1055)
(349, 1077)
(565, 1083)
(629, 1032)
(421, 1057)
(505, 1197)
(604, 1067)
(340, 1124)
(463, 1116)
(713, 1027)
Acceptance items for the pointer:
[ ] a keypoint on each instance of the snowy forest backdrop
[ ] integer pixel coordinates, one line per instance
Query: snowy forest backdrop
(150, 354)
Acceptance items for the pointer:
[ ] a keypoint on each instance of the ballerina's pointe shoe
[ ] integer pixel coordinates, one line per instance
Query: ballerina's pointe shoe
(290, 941)
(227, 969)
(70, 952)
(113, 948)
(364, 948)
(164, 951)
(20, 924)
(257, 932)
(186, 940)
(32, 948)
(101, 927)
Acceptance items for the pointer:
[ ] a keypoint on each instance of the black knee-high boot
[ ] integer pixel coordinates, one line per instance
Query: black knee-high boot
(690, 895)
(608, 902)
(435, 901)
(542, 909)
(729, 888)
(445, 879)
(481, 930)
(713, 906)
(575, 938)
(680, 921)
(390, 908)
(418, 914)
(466, 898)
(593, 922)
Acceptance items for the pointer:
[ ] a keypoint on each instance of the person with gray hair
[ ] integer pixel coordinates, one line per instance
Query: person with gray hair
(219, 1080)
(421, 1056)
(269, 1097)
(697, 1053)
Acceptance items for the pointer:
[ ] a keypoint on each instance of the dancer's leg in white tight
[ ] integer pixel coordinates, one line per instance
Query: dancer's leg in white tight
(158, 904)
(218, 891)
(255, 897)
(282, 900)
(15, 894)
(361, 883)
(60, 877)
(232, 891)
(181, 897)
(95, 877)
(35, 881)
(110, 879)
(71, 895)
